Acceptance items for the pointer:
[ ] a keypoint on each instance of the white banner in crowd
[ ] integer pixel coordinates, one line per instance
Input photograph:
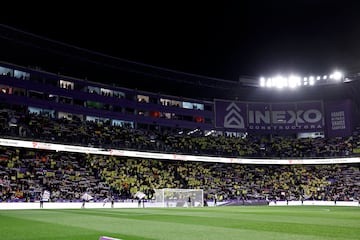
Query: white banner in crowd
(46, 196)
(140, 195)
(165, 156)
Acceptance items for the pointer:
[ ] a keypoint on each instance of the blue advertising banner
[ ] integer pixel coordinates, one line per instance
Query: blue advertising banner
(338, 118)
(231, 115)
(270, 117)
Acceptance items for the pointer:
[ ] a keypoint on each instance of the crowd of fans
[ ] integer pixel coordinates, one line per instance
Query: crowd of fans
(74, 131)
(25, 173)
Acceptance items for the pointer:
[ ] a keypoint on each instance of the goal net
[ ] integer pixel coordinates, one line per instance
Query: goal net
(174, 197)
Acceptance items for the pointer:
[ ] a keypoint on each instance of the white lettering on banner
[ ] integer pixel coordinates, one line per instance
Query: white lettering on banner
(338, 114)
(279, 117)
(338, 120)
(281, 127)
(316, 113)
(233, 118)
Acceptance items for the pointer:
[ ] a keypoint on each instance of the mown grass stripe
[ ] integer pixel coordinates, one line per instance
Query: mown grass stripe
(190, 224)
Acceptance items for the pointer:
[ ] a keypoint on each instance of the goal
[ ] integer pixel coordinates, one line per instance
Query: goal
(175, 197)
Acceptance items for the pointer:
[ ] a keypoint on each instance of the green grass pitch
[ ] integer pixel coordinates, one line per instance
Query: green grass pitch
(219, 223)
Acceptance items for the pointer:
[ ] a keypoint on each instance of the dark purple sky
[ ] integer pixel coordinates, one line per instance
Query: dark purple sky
(224, 40)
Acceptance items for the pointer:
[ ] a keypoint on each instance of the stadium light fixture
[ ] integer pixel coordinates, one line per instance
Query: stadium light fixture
(311, 81)
(294, 81)
(337, 75)
(269, 83)
(262, 82)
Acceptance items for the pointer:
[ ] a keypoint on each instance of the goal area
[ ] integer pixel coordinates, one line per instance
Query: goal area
(175, 197)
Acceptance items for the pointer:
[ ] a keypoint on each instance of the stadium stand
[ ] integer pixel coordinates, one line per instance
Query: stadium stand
(24, 173)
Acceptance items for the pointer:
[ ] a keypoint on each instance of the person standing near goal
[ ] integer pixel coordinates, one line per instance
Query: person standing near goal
(215, 199)
(44, 197)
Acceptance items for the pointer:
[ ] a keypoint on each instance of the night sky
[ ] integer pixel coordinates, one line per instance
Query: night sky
(224, 40)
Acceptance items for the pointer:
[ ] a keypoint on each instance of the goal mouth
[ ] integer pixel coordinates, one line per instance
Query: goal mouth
(177, 197)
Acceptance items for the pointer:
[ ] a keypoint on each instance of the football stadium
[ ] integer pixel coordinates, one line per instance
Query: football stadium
(274, 157)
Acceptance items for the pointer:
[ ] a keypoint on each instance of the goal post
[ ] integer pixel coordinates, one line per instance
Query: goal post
(175, 197)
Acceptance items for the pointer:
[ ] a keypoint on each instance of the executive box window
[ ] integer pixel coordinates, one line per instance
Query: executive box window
(4, 89)
(42, 111)
(6, 71)
(169, 102)
(106, 92)
(79, 102)
(21, 75)
(36, 95)
(19, 91)
(119, 94)
(190, 105)
(142, 113)
(167, 115)
(51, 97)
(70, 116)
(66, 84)
(153, 100)
(97, 119)
(122, 123)
(96, 105)
(65, 100)
(93, 90)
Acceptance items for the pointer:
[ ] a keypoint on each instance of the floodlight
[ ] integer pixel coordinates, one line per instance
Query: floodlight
(311, 78)
(269, 82)
(279, 82)
(311, 82)
(318, 78)
(325, 77)
(286, 82)
(262, 82)
(337, 75)
(294, 81)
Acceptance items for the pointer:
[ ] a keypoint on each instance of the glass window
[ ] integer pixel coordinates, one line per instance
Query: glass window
(94, 90)
(106, 92)
(6, 71)
(21, 75)
(122, 123)
(97, 119)
(142, 98)
(66, 84)
(118, 94)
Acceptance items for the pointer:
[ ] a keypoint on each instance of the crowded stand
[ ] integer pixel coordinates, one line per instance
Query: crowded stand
(188, 130)
(42, 127)
(25, 173)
